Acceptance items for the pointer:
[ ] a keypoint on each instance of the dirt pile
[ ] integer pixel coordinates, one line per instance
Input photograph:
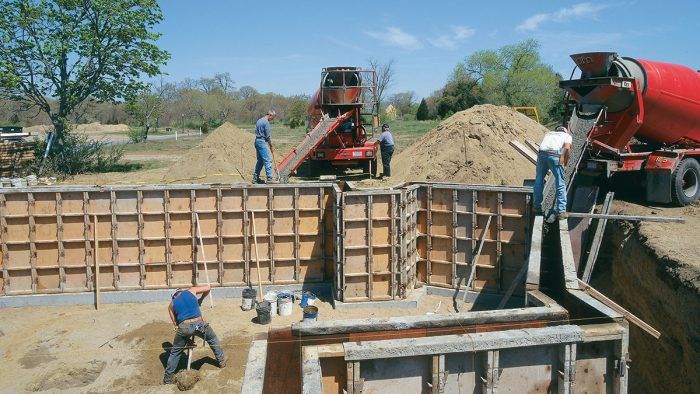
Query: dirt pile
(227, 154)
(88, 128)
(472, 146)
(186, 380)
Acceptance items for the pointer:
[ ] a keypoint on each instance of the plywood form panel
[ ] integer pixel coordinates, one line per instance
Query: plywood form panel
(233, 249)
(215, 276)
(128, 252)
(282, 198)
(232, 199)
(383, 375)
(514, 230)
(156, 275)
(154, 252)
(46, 228)
(127, 202)
(107, 279)
(442, 199)
(441, 274)
(72, 202)
(507, 278)
(232, 224)
(17, 229)
(356, 261)
(464, 252)
(465, 200)
(16, 204)
(487, 201)
(264, 272)
(309, 198)
(284, 223)
(533, 369)
(311, 271)
(441, 249)
(356, 287)
(382, 206)
(208, 224)
(309, 222)
(310, 246)
(47, 254)
(234, 274)
(355, 234)
(48, 280)
(515, 203)
(182, 274)
(153, 226)
(381, 232)
(285, 271)
(44, 203)
(104, 227)
(181, 225)
(381, 286)
(211, 247)
(99, 203)
(179, 201)
(441, 223)
(465, 225)
(355, 207)
(513, 255)
(491, 232)
(182, 250)
(77, 280)
(18, 256)
(381, 260)
(489, 254)
(153, 201)
(258, 199)
(127, 227)
(486, 278)
(205, 200)
(20, 281)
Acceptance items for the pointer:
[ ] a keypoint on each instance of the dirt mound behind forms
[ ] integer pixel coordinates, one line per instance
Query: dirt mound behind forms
(227, 154)
(485, 130)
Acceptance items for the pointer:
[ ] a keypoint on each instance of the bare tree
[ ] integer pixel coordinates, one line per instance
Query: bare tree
(385, 76)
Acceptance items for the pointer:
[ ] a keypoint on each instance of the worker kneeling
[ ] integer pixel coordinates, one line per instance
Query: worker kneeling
(187, 317)
(554, 153)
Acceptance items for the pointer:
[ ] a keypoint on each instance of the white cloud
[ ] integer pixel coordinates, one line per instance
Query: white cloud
(396, 37)
(580, 10)
(450, 41)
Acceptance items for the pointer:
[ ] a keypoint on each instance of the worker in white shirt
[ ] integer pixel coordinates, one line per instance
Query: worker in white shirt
(554, 153)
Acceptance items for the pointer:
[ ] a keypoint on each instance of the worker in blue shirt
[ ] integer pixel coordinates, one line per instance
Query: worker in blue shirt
(262, 142)
(386, 145)
(187, 318)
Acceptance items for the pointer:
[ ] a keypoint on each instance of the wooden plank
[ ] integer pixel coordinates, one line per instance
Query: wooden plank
(204, 258)
(512, 287)
(629, 218)
(597, 239)
(525, 151)
(584, 199)
(628, 315)
(475, 258)
(533, 145)
(96, 263)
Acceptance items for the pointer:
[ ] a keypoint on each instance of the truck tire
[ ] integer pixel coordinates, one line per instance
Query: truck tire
(685, 182)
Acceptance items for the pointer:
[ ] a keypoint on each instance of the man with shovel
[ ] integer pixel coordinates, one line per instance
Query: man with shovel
(187, 318)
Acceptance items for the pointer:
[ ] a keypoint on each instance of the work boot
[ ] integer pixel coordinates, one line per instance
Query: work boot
(260, 181)
(272, 181)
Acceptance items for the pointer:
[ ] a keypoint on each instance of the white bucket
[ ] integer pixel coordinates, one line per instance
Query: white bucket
(271, 297)
(285, 306)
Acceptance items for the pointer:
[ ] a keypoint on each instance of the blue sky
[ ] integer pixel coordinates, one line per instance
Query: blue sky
(281, 46)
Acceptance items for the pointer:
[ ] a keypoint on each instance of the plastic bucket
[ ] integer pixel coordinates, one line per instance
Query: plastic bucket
(248, 299)
(264, 315)
(310, 313)
(271, 297)
(307, 298)
(285, 304)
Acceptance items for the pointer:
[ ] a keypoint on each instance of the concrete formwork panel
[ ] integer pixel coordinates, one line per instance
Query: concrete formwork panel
(149, 237)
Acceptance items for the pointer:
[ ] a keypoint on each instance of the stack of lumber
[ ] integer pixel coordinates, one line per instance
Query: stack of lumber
(13, 156)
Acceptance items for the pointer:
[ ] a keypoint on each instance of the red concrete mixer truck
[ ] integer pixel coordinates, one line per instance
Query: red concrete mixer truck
(341, 118)
(647, 121)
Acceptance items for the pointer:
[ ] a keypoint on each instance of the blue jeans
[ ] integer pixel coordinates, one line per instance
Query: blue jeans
(548, 162)
(183, 334)
(264, 158)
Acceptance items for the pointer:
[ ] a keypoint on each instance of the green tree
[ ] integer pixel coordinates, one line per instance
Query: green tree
(460, 93)
(72, 50)
(514, 75)
(422, 111)
(296, 111)
(146, 106)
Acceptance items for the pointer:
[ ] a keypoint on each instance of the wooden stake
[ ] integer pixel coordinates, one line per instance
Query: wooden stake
(464, 137)
(257, 259)
(512, 286)
(475, 258)
(204, 259)
(96, 282)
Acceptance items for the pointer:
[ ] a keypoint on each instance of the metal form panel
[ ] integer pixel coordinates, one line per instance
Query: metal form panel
(147, 236)
(409, 238)
(452, 219)
(371, 240)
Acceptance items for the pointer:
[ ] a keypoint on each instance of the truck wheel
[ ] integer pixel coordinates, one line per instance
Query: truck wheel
(686, 182)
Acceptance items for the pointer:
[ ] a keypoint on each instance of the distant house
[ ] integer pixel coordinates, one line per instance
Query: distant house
(390, 112)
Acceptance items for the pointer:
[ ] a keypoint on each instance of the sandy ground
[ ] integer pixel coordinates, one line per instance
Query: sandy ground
(122, 347)
(678, 242)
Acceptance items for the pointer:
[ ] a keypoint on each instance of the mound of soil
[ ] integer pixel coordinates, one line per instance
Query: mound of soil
(226, 154)
(472, 146)
(88, 128)
(186, 380)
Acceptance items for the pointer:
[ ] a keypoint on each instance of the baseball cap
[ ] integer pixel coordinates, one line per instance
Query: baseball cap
(385, 126)
(562, 129)
(176, 292)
